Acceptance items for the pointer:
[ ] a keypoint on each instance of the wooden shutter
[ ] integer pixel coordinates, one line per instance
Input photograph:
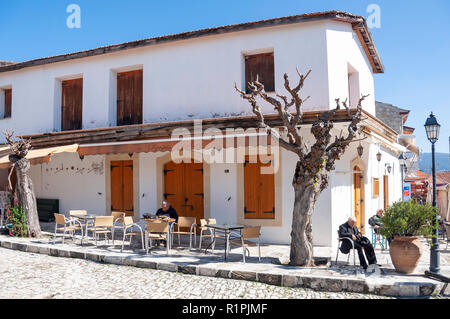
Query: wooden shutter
(261, 65)
(386, 191)
(267, 194)
(251, 190)
(8, 103)
(173, 186)
(357, 196)
(116, 186)
(122, 198)
(128, 199)
(183, 188)
(72, 105)
(376, 187)
(129, 97)
(259, 192)
(193, 190)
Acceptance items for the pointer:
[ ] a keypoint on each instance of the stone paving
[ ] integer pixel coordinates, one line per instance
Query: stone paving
(37, 276)
(341, 279)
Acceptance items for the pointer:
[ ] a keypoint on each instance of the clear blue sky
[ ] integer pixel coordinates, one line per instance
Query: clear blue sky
(413, 41)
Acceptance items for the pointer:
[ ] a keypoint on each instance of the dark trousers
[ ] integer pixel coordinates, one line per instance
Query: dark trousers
(368, 250)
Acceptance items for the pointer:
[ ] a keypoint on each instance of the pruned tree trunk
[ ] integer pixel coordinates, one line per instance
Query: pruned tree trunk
(315, 161)
(26, 196)
(301, 234)
(24, 188)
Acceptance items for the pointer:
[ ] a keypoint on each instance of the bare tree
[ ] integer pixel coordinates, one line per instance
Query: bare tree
(24, 189)
(315, 161)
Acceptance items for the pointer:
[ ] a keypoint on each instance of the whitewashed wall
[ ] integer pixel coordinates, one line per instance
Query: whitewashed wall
(191, 78)
(346, 54)
(78, 184)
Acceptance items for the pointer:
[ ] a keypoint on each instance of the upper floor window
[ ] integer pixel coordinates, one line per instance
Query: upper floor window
(72, 104)
(353, 86)
(129, 97)
(261, 66)
(5, 103)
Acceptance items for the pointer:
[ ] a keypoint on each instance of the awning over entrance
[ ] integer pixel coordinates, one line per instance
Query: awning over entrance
(41, 155)
(167, 144)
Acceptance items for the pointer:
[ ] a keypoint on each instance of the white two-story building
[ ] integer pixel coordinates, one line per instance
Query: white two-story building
(120, 105)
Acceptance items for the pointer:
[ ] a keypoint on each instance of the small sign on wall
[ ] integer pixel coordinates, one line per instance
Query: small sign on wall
(406, 192)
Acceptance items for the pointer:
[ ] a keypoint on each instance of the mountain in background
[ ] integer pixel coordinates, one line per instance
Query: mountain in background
(442, 162)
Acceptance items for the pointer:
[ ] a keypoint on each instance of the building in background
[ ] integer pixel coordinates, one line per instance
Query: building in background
(395, 117)
(419, 185)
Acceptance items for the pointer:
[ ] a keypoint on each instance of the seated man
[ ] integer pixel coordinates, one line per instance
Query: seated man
(350, 230)
(375, 221)
(167, 210)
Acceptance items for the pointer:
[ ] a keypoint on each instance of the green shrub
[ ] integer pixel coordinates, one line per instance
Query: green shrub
(409, 219)
(16, 219)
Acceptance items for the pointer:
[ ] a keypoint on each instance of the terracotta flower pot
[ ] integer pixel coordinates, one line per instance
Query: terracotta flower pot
(405, 253)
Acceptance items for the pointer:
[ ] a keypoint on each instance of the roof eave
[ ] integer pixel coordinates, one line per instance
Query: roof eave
(358, 23)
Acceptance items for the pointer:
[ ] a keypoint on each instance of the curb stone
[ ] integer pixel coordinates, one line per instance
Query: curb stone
(356, 285)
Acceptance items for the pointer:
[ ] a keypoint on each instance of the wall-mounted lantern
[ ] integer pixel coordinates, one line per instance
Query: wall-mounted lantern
(360, 150)
(388, 168)
(378, 156)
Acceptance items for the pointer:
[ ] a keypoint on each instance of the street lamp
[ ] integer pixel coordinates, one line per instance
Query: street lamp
(402, 161)
(432, 130)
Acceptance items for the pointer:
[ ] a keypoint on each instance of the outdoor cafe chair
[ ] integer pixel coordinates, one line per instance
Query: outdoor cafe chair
(68, 225)
(129, 224)
(118, 222)
(249, 233)
(340, 241)
(378, 238)
(186, 222)
(102, 225)
(157, 230)
(212, 235)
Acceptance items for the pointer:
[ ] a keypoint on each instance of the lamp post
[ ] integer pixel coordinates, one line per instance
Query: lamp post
(432, 130)
(402, 161)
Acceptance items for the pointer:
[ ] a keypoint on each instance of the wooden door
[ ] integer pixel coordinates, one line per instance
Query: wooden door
(174, 186)
(183, 188)
(72, 105)
(358, 198)
(129, 97)
(259, 192)
(8, 102)
(386, 191)
(122, 199)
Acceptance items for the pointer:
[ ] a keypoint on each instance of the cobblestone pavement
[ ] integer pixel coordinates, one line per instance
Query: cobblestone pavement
(35, 276)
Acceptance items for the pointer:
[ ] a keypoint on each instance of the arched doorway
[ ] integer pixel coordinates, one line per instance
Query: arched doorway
(358, 199)
(183, 188)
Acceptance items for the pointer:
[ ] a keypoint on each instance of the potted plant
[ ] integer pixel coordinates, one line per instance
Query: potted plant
(405, 222)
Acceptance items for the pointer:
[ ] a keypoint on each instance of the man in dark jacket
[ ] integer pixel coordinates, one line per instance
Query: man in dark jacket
(349, 230)
(167, 210)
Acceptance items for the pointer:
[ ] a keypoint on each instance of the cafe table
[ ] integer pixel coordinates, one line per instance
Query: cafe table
(86, 218)
(226, 229)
